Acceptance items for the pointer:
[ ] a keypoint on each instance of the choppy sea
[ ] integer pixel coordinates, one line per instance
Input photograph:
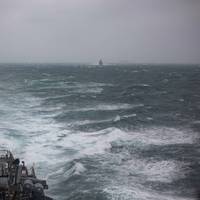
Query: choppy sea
(124, 132)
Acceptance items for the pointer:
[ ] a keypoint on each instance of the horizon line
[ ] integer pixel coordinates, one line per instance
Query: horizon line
(105, 63)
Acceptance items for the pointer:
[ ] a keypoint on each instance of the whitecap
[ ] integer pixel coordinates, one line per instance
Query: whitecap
(76, 168)
(164, 136)
(107, 107)
(117, 118)
(137, 192)
(128, 116)
(149, 118)
(165, 171)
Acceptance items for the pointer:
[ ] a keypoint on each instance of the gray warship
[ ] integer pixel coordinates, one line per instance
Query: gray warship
(100, 62)
(17, 182)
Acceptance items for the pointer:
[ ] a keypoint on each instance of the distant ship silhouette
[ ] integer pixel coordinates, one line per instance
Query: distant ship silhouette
(100, 62)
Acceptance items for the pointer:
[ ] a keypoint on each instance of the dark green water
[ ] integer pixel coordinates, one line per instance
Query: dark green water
(113, 132)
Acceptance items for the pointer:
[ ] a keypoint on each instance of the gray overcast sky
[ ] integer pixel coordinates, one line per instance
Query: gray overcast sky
(149, 31)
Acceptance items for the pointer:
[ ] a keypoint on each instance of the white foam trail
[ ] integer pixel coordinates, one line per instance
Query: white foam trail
(107, 107)
(163, 136)
(88, 122)
(124, 192)
(165, 171)
(149, 118)
(196, 122)
(45, 133)
(86, 144)
(96, 90)
(20, 128)
(49, 144)
(91, 143)
(47, 136)
(118, 117)
(76, 86)
(142, 85)
(135, 71)
(131, 115)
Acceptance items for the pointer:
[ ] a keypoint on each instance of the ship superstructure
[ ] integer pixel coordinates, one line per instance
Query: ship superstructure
(17, 182)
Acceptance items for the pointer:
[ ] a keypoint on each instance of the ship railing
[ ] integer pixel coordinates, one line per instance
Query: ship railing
(4, 154)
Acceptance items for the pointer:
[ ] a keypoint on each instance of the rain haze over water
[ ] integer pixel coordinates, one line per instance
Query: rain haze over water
(119, 131)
